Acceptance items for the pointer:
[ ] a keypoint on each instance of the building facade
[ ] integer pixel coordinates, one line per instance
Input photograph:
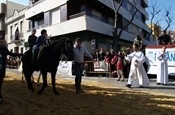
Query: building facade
(156, 30)
(16, 26)
(2, 19)
(92, 20)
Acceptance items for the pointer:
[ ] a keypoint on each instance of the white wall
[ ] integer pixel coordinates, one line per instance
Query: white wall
(70, 26)
(43, 7)
(15, 20)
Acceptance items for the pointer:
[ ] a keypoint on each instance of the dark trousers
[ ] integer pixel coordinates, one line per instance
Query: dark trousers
(2, 75)
(78, 69)
(35, 51)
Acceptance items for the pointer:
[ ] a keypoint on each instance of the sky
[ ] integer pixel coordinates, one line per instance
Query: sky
(163, 5)
(24, 2)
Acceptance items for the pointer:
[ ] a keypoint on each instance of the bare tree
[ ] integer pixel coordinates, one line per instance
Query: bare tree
(154, 11)
(116, 31)
(168, 18)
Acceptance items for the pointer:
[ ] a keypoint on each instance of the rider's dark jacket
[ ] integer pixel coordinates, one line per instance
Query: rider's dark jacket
(42, 40)
(32, 41)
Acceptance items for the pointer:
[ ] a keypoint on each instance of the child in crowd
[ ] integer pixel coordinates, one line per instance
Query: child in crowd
(120, 68)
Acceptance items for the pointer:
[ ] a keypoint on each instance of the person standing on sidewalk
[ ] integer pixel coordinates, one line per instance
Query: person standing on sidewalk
(162, 67)
(3, 57)
(120, 69)
(79, 53)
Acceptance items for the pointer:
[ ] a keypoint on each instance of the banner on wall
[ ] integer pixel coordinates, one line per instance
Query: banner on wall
(101, 66)
(151, 58)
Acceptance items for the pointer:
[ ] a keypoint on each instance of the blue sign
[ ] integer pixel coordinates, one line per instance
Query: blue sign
(152, 55)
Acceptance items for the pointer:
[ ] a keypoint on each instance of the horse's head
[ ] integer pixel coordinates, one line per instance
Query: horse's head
(67, 49)
(64, 48)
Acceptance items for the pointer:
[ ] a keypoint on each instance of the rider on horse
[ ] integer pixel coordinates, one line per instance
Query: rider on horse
(41, 42)
(32, 40)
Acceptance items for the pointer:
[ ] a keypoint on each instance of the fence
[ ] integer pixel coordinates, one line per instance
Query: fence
(97, 68)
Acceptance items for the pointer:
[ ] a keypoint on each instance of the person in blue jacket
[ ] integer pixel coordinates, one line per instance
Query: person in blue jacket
(41, 40)
(3, 57)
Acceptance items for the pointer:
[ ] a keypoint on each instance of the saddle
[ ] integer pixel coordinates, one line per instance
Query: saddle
(40, 50)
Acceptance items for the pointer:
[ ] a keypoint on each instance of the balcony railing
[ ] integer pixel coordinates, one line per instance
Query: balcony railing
(17, 38)
(38, 27)
(91, 15)
(35, 3)
(76, 16)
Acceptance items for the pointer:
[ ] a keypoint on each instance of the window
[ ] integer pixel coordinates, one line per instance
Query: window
(55, 16)
(125, 22)
(118, 1)
(40, 23)
(124, 4)
(129, 7)
(96, 13)
(21, 26)
(30, 25)
(11, 29)
(22, 50)
(111, 21)
(16, 49)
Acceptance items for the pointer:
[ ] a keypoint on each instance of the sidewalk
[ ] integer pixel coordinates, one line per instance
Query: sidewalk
(153, 88)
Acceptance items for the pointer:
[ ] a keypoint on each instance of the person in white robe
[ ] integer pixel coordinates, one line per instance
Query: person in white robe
(162, 67)
(137, 71)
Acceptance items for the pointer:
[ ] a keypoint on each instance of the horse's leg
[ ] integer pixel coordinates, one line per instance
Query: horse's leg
(39, 76)
(53, 73)
(32, 78)
(27, 75)
(22, 77)
(44, 76)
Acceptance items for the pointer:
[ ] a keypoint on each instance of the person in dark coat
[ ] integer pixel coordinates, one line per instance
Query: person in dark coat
(32, 40)
(3, 57)
(164, 39)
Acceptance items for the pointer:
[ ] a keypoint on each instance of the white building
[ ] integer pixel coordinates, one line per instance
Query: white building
(92, 20)
(16, 27)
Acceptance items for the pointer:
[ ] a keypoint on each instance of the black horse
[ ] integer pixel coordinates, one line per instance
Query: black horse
(48, 61)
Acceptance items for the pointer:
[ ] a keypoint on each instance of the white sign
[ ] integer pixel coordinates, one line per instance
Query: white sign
(101, 66)
(65, 68)
(151, 55)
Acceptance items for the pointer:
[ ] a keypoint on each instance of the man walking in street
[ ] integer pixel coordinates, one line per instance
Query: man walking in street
(3, 57)
(79, 53)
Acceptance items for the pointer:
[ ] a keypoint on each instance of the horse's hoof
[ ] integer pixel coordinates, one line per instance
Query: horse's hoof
(33, 91)
(39, 92)
(57, 93)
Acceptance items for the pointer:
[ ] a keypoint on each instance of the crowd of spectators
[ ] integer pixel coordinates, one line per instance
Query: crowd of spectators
(119, 67)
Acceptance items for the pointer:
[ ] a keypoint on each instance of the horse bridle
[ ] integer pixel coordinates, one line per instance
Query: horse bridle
(63, 56)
